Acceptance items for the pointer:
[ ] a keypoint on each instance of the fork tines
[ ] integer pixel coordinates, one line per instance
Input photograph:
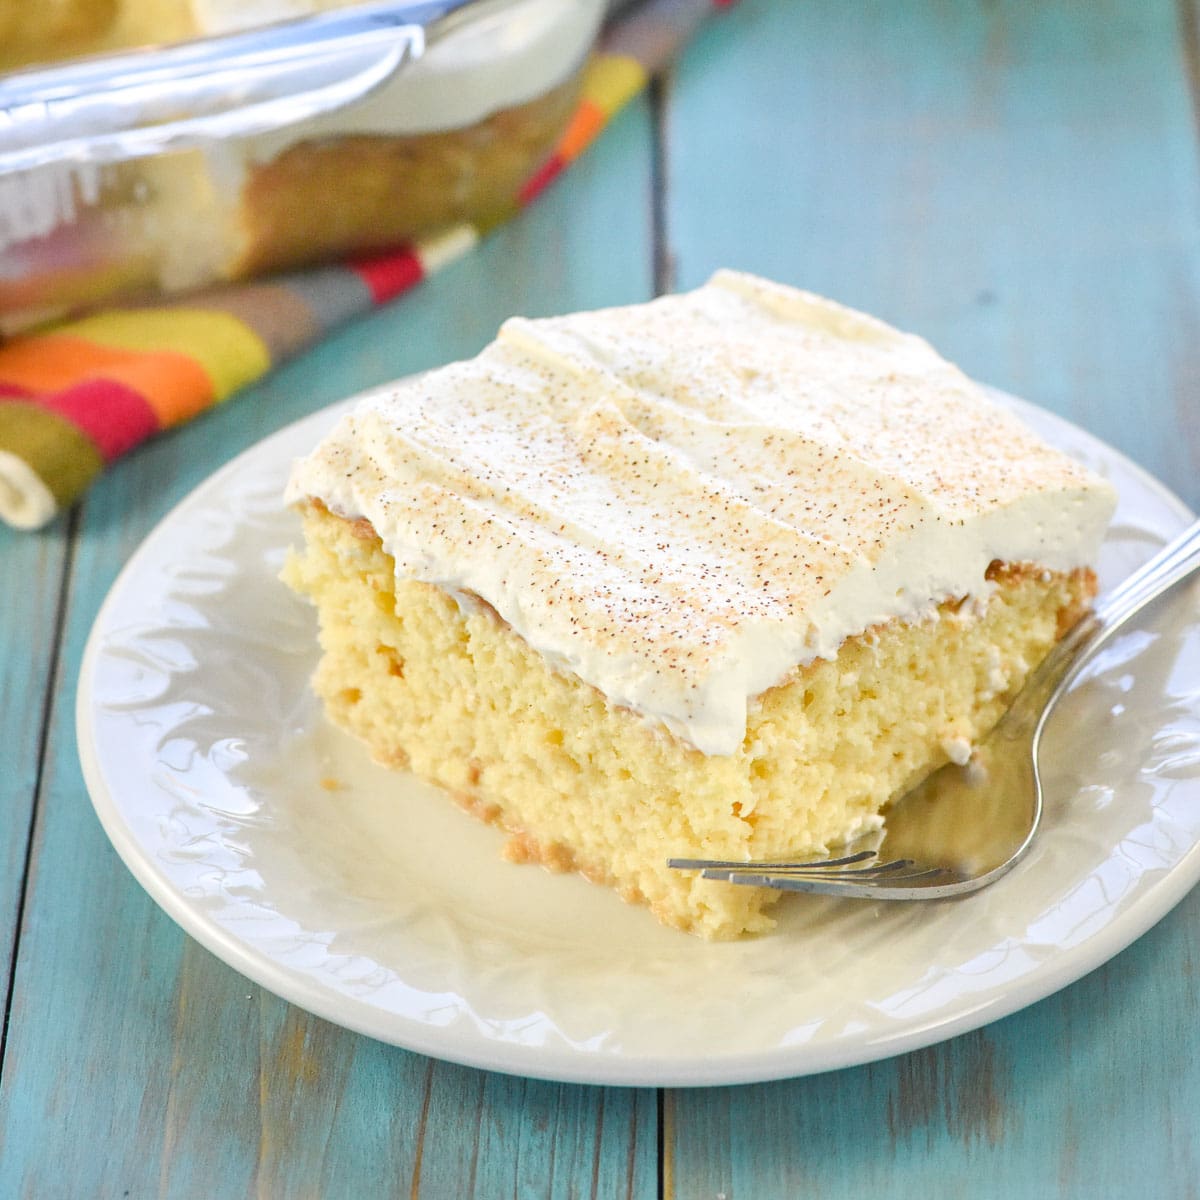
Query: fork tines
(837, 871)
(703, 864)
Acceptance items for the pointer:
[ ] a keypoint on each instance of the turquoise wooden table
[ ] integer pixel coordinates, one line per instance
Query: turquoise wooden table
(1017, 182)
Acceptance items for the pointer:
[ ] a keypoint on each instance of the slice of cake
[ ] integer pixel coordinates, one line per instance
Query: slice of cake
(716, 576)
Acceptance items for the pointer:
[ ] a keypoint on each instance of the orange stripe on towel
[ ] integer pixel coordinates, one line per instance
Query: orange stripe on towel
(175, 386)
(587, 122)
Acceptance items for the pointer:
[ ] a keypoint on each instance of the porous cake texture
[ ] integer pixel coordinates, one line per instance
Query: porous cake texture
(718, 576)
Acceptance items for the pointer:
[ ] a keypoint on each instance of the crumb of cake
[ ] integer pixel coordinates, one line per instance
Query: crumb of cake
(957, 749)
(523, 847)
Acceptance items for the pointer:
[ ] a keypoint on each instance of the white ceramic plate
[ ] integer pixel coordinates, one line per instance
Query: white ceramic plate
(365, 897)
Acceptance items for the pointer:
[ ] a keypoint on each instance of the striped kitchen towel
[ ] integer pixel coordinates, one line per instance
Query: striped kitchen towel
(76, 396)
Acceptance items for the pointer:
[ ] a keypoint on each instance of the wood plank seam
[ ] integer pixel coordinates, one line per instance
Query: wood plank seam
(663, 274)
(1188, 12)
(53, 666)
(1189, 46)
(597, 1144)
(415, 1183)
(666, 1139)
(662, 265)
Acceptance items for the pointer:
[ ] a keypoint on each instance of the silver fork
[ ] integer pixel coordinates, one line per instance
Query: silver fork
(965, 826)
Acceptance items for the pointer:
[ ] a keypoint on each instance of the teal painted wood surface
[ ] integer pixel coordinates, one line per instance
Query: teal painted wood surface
(1017, 182)
(33, 576)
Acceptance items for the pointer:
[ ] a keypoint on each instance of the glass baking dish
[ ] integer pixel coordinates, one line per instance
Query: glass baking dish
(269, 134)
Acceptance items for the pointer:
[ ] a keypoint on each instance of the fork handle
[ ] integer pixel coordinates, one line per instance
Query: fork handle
(1175, 563)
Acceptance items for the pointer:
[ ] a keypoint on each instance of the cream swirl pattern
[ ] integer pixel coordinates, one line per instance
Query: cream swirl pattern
(684, 501)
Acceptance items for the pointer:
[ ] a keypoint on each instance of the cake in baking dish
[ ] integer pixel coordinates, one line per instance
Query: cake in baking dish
(715, 576)
(435, 154)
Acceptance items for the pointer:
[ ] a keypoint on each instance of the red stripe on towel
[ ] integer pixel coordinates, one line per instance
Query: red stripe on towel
(391, 274)
(115, 418)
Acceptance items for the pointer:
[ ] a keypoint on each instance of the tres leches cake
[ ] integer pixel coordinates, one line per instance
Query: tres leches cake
(716, 576)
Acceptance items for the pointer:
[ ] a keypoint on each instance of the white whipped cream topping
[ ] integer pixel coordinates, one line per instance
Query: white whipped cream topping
(506, 55)
(683, 501)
